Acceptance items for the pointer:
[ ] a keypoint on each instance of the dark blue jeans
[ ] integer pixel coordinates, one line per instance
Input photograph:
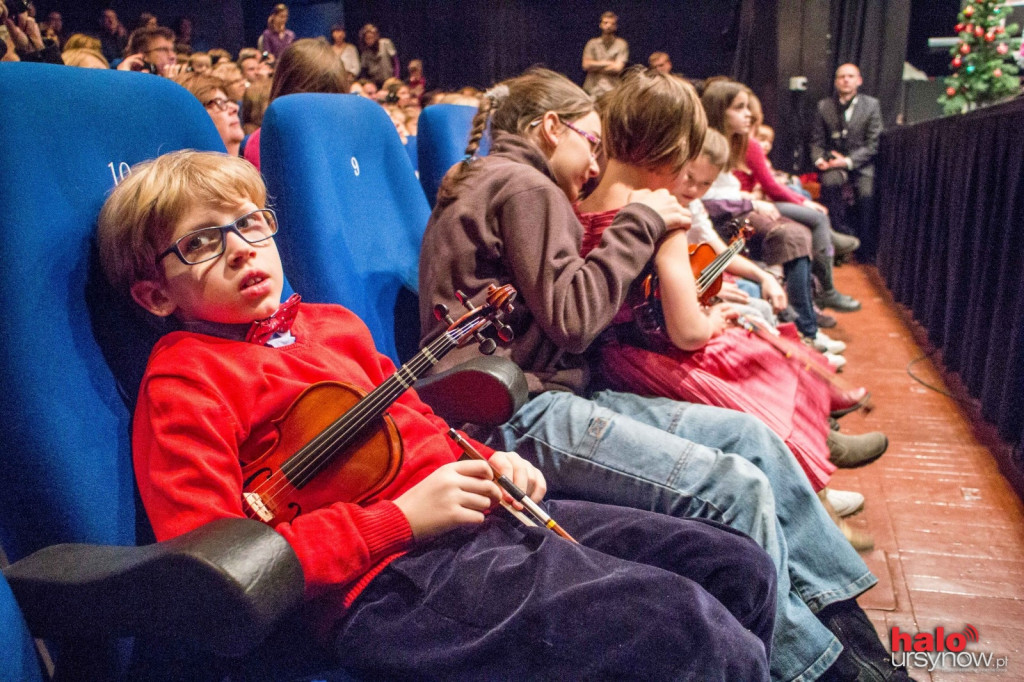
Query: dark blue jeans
(644, 596)
(798, 290)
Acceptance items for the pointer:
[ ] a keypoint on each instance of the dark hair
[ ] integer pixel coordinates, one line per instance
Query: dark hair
(652, 120)
(309, 65)
(717, 98)
(140, 38)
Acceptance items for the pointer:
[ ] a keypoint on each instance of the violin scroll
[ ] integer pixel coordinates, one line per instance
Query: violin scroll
(477, 318)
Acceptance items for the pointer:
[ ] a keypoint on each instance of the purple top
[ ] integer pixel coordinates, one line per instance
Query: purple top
(275, 44)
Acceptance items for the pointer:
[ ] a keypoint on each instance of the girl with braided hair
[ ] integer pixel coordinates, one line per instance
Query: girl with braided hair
(508, 218)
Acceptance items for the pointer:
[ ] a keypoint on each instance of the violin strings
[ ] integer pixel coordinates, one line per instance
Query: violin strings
(347, 425)
(321, 447)
(717, 266)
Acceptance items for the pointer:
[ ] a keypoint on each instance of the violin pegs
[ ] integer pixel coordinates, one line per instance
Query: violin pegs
(463, 299)
(441, 313)
(487, 346)
(505, 332)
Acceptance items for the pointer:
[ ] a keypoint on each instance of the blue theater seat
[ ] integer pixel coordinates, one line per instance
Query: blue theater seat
(352, 212)
(18, 662)
(443, 130)
(66, 136)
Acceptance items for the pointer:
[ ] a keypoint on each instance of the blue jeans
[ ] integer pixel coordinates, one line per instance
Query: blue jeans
(700, 461)
(821, 240)
(798, 291)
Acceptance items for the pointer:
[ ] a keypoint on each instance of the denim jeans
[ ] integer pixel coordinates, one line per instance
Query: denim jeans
(798, 291)
(821, 240)
(700, 461)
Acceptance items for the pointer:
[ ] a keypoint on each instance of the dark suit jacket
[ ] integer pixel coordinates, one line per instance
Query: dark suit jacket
(862, 132)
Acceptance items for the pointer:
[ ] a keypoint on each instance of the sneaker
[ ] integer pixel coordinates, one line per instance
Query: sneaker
(826, 344)
(837, 361)
(837, 301)
(845, 502)
(849, 452)
(860, 541)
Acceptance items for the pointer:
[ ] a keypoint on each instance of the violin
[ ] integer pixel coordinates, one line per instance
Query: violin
(335, 441)
(709, 267)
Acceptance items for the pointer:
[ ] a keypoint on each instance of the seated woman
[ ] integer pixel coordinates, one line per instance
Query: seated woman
(308, 65)
(777, 241)
(753, 171)
(212, 93)
(698, 356)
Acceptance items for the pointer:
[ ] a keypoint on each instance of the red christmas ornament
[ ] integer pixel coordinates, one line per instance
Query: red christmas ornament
(969, 28)
(998, 73)
(989, 37)
(957, 61)
(1000, 30)
(1002, 48)
(950, 91)
(968, 11)
(958, 28)
(979, 31)
(965, 49)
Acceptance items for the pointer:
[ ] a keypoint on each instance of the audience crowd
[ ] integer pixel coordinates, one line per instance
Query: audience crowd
(592, 185)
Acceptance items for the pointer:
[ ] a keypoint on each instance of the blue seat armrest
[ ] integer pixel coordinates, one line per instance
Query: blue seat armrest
(221, 588)
(485, 391)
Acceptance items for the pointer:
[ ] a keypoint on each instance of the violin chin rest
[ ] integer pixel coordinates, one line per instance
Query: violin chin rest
(485, 391)
(222, 588)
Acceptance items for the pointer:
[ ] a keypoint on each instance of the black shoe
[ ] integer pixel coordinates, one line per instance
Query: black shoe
(861, 646)
(844, 244)
(837, 301)
(833, 424)
(825, 321)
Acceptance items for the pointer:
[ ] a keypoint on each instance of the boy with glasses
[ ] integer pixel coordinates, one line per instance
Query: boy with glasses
(420, 580)
(151, 50)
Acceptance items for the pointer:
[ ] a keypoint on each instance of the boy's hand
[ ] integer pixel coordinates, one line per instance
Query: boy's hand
(527, 477)
(456, 494)
(133, 62)
(675, 215)
(719, 317)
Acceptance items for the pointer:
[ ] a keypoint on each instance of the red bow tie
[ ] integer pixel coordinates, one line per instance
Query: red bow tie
(281, 321)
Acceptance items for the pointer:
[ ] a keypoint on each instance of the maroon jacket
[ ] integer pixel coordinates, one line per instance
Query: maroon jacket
(507, 222)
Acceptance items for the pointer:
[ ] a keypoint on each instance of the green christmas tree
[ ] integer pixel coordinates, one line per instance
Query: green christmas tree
(983, 69)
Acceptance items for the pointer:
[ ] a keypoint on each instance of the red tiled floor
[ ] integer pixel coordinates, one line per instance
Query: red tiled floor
(948, 528)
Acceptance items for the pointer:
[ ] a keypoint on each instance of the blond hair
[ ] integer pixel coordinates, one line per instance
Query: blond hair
(139, 217)
(82, 41)
(201, 85)
(715, 148)
(652, 120)
(80, 56)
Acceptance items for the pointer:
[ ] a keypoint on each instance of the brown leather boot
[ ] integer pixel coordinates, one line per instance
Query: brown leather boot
(849, 452)
(862, 542)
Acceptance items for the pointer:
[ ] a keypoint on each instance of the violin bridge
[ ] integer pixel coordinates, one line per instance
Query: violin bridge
(254, 504)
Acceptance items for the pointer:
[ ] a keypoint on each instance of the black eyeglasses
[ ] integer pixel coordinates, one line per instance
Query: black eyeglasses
(208, 243)
(219, 103)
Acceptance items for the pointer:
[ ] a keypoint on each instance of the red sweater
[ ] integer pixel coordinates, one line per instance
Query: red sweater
(757, 162)
(206, 406)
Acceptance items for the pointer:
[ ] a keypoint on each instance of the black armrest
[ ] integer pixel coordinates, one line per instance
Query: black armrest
(485, 390)
(221, 588)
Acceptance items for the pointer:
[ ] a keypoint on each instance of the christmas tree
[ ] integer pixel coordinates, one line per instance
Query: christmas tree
(983, 70)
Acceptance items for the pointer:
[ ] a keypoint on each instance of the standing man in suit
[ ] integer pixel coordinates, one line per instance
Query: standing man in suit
(845, 142)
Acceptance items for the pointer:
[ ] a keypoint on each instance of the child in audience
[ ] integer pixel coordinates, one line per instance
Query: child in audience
(508, 218)
(696, 354)
(307, 65)
(778, 241)
(420, 580)
(200, 63)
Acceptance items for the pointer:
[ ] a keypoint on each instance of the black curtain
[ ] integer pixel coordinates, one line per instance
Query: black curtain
(479, 42)
(951, 208)
(811, 38)
(873, 35)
